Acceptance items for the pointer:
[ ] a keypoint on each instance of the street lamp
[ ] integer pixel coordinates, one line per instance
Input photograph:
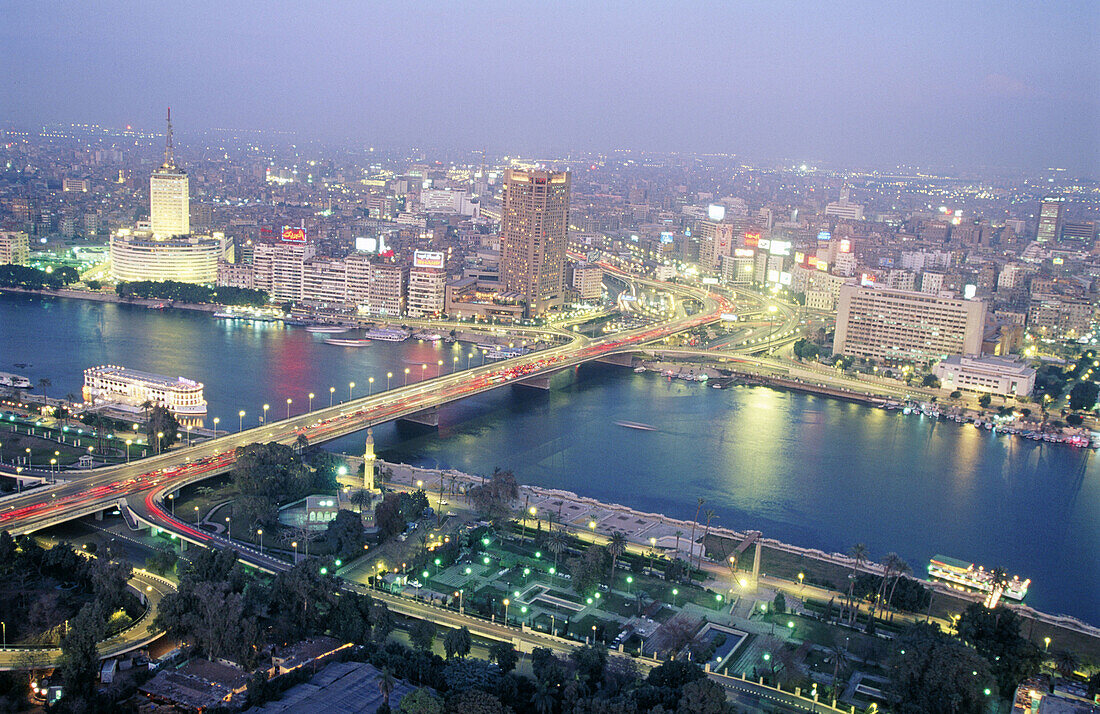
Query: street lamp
(172, 503)
(228, 528)
(260, 533)
(310, 401)
(128, 442)
(189, 435)
(295, 546)
(675, 592)
(216, 420)
(439, 368)
(160, 436)
(240, 421)
(331, 392)
(288, 403)
(506, 600)
(406, 376)
(266, 407)
(351, 386)
(388, 376)
(370, 386)
(196, 515)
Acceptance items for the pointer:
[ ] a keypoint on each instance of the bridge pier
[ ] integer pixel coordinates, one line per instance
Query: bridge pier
(541, 383)
(622, 359)
(425, 417)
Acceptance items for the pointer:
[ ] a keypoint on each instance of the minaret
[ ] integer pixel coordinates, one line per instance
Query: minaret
(368, 462)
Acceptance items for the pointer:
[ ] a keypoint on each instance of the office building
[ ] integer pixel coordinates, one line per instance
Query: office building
(900, 326)
(1059, 316)
(1003, 376)
(715, 242)
(279, 268)
(533, 225)
(186, 259)
(588, 281)
(427, 284)
(844, 208)
(1051, 213)
(325, 282)
(73, 185)
(386, 290)
(169, 211)
(14, 248)
(234, 275)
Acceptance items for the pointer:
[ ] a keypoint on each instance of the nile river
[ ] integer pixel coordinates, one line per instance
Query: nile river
(806, 470)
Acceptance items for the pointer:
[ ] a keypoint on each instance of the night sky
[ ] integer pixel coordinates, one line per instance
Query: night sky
(1014, 84)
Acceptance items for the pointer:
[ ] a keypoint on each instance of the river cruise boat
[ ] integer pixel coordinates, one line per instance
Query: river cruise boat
(428, 336)
(387, 334)
(14, 380)
(327, 329)
(973, 576)
(130, 388)
(346, 343)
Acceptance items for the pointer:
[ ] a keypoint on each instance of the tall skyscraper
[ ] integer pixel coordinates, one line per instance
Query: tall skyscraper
(534, 221)
(1050, 220)
(169, 213)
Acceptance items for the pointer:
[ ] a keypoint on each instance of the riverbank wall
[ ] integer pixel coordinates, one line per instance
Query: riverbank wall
(97, 296)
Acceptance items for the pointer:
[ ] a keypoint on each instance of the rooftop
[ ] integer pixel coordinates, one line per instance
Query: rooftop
(159, 380)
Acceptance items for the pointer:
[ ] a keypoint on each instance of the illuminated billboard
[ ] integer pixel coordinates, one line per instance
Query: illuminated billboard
(751, 239)
(716, 212)
(824, 235)
(784, 278)
(969, 291)
(369, 244)
(867, 280)
(845, 245)
(666, 237)
(428, 259)
(294, 235)
(780, 247)
(822, 266)
(743, 252)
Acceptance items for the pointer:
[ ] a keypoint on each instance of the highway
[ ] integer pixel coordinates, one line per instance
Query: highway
(137, 635)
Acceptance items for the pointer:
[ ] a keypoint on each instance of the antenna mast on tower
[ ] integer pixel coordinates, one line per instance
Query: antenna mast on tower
(169, 154)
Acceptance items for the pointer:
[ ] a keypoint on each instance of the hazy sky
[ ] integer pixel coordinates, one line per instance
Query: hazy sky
(1002, 83)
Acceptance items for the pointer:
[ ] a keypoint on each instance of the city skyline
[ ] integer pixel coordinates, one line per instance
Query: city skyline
(938, 85)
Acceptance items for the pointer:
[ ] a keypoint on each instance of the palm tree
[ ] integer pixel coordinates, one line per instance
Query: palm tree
(706, 532)
(859, 555)
(887, 570)
(69, 398)
(840, 657)
(691, 545)
(900, 569)
(616, 548)
(556, 546)
(678, 535)
(386, 683)
(42, 384)
(301, 443)
(1065, 663)
(543, 699)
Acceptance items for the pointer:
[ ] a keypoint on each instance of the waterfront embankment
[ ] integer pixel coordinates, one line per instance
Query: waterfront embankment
(778, 562)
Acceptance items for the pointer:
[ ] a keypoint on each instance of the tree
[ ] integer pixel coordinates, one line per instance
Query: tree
(590, 568)
(557, 545)
(161, 421)
(422, 635)
(995, 634)
(345, 533)
(504, 654)
(420, 701)
(859, 555)
(1083, 396)
(79, 656)
(386, 684)
(387, 515)
(456, 643)
(984, 401)
(691, 544)
(43, 383)
(779, 603)
(494, 498)
(930, 671)
(702, 697)
(616, 548)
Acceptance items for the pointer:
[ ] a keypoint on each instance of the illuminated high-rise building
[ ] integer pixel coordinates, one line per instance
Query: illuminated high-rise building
(169, 212)
(534, 221)
(1051, 214)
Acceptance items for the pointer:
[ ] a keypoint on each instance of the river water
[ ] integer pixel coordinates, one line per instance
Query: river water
(806, 470)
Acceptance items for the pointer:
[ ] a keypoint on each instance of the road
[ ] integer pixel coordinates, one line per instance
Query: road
(139, 634)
